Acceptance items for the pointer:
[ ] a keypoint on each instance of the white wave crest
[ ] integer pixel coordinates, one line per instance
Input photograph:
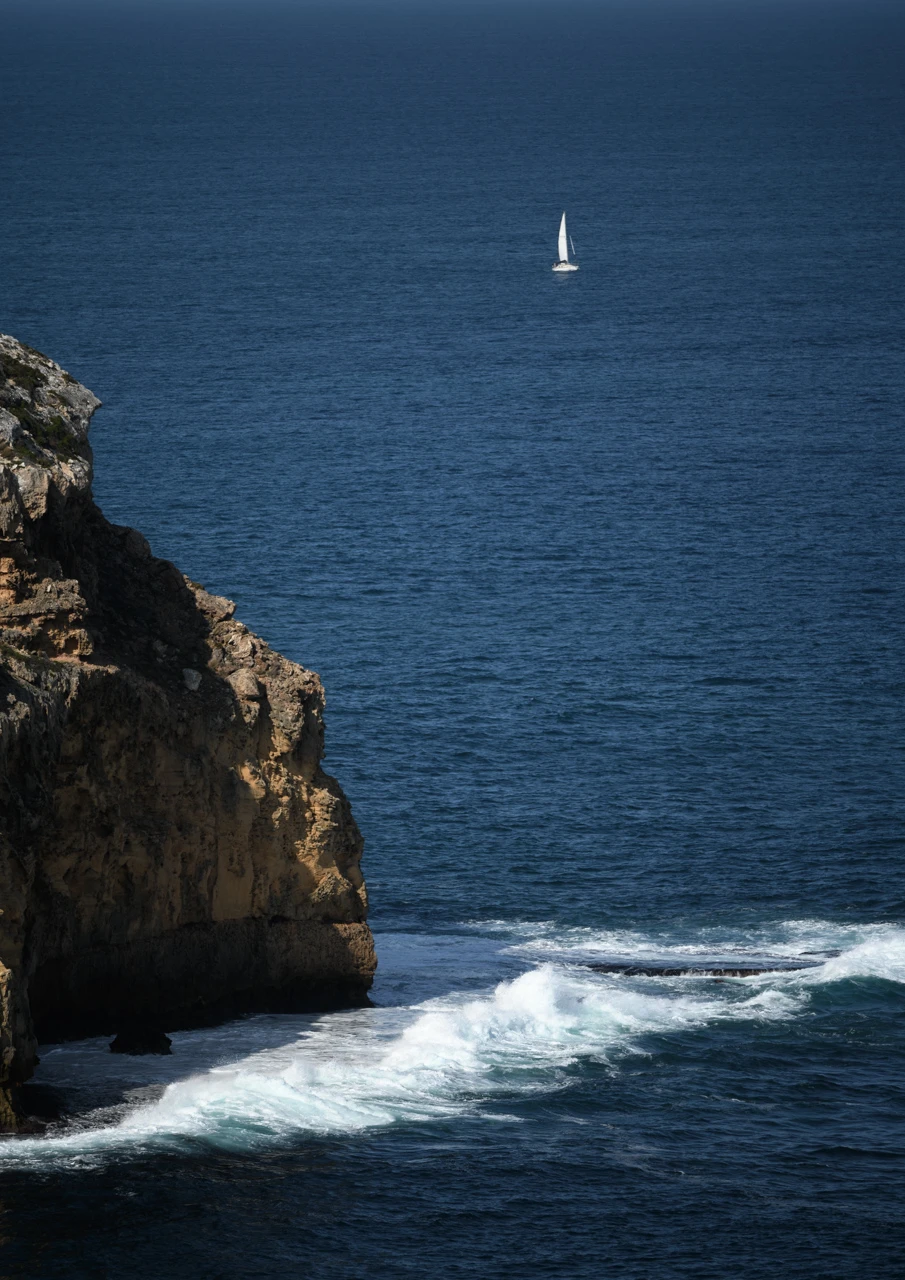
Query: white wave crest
(880, 955)
(446, 1058)
(453, 1056)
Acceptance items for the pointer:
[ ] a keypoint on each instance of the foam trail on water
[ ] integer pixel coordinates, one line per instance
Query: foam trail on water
(837, 951)
(443, 1059)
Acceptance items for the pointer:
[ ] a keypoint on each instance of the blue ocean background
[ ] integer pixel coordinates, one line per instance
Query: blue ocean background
(604, 578)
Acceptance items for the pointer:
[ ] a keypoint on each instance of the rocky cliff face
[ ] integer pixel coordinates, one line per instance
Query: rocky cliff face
(170, 849)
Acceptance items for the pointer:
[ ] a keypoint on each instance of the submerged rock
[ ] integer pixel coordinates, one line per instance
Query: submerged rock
(171, 850)
(693, 970)
(141, 1040)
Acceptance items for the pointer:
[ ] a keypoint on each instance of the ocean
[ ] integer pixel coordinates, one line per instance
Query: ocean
(604, 576)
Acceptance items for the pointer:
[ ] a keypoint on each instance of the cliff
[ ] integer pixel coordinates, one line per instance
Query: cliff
(171, 851)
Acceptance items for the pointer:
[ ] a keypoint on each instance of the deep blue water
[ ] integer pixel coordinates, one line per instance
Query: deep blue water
(603, 574)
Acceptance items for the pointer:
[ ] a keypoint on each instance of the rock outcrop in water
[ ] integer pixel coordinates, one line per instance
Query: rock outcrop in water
(171, 851)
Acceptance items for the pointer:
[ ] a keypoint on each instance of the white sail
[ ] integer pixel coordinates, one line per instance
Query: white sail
(563, 242)
(564, 266)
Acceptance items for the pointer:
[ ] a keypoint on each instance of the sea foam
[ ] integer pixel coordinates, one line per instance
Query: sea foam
(450, 1057)
(462, 1054)
(832, 951)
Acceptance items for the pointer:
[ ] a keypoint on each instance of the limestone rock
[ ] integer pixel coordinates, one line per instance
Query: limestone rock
(171, 850)
(245, 684)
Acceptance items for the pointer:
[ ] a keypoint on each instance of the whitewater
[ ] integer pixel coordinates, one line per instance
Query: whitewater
(263, 1082)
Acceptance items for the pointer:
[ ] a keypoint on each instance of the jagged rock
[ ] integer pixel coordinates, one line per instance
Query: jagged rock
(245, 684)
(171, 850)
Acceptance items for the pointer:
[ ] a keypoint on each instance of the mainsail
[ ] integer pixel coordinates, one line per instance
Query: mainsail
(563, 242)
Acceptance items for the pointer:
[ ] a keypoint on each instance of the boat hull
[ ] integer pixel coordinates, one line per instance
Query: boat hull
(564, 266)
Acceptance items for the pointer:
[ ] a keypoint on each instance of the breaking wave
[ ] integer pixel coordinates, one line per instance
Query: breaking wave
(458, 1055)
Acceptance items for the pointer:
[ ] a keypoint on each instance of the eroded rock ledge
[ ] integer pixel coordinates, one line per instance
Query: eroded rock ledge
(170, 848)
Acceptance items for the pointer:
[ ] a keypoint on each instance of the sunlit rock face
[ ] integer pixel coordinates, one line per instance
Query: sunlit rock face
(170, 848)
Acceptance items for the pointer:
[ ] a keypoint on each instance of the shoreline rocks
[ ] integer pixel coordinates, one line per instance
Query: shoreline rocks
(171, 850)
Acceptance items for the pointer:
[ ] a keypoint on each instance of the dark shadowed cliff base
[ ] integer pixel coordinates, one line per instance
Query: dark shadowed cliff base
(171, 851)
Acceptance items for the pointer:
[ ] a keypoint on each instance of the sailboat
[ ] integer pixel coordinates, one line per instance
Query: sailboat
(564, 264)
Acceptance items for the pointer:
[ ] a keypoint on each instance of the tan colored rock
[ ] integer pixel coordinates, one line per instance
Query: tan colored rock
(245, 684)
(170, 847)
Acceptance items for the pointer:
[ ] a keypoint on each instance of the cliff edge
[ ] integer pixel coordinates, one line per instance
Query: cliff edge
(171, 851)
